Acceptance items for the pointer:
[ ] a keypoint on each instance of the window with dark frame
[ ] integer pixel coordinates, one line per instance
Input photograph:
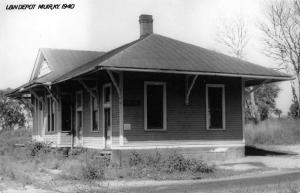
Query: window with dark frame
(40, 106)
(215, 111)
(79, 116)
(78, 100)
(155, 106)
(95, 114)
(107, 94)
(50, 114)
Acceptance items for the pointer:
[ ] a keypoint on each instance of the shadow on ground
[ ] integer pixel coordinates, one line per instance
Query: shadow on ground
(255, 151)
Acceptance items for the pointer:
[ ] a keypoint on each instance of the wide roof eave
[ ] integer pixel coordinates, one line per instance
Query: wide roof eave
(279, 78)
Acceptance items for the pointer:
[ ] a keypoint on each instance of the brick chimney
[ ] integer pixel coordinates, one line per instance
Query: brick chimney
(146, 25)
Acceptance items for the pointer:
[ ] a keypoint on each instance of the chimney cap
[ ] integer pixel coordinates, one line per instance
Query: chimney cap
(144, 18)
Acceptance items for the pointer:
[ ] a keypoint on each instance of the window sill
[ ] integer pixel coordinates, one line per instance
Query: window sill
(158, 130)
(50, 132)
(218, 129)
(65, 131)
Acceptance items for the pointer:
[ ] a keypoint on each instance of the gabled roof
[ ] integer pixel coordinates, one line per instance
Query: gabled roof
(163, 53)
(153, 53)
(62, 61)
(156, 53)
(92, 65)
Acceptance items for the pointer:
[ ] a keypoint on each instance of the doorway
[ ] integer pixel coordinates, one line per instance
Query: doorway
(66, 114)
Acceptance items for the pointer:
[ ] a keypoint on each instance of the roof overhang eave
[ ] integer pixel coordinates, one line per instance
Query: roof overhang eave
(274, 78)
(59, 80)
(22, 90)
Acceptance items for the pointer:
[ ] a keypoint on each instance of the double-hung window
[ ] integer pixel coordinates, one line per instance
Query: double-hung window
(51, 114)
(155, 116)
(215, 106)
(94, 113)
(79, 116)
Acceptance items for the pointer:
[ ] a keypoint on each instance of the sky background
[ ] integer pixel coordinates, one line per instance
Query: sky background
(101, 25)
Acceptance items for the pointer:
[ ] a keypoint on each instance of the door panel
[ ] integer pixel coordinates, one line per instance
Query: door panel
(66, 113)
(107, 127)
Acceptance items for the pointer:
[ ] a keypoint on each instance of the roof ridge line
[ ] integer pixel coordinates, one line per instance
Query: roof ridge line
(65, 49)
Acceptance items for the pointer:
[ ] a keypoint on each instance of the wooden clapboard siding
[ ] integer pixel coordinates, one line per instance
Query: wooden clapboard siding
(65, 139)
(93, 142)
(184, 122)
(51, 139)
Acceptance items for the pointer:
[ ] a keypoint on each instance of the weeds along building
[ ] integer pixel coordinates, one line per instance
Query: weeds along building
(152, 93)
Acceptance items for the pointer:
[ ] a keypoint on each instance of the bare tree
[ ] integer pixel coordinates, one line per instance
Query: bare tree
(282, 38)
(234, 36)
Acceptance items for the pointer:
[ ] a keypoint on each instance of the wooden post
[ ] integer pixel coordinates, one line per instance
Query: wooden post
(121, 109)
(119, 88)
(243, 107)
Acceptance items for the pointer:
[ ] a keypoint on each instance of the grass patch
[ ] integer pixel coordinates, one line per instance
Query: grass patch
(273, 132)
(90, 166)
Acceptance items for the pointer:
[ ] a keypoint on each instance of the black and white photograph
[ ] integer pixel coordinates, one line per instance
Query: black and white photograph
(149, 96)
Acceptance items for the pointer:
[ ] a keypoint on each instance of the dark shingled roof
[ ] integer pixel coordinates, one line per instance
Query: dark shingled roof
(93, 64)
(163, 53)
(156, 52)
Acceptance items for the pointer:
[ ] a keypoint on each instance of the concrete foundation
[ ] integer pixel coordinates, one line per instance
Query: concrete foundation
(200, 153)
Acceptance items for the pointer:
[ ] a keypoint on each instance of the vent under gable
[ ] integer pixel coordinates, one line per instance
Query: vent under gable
(44, 69)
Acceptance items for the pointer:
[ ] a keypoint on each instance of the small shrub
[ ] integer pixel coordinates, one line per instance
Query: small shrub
(175, 162)
(94, 169)
(154, 160)
(76, 151)
(173, 166)
(135, 159)
(199, 166)
(35, 147)
(178, 163)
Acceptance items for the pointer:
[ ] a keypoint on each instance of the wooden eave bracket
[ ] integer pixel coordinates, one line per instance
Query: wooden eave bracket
(189, 87)
(113, 79)
(88, 89)
(36, 96)
(52, 94)
(255, 88)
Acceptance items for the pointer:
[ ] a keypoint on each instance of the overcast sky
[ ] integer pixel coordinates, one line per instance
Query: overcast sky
(102, 25)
